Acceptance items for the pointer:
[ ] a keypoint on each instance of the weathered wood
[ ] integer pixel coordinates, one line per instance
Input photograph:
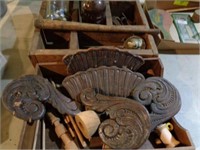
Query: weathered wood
(61, 132)
(74, 43)
(24, 98)
(27, 136)
(76, 26)
(128, 120)
(111, 81)
(150, 63)
(96, 57)
(108, 14)
(181, 134)
(140, 19)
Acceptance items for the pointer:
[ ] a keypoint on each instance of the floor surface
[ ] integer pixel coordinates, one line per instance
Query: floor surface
(16, 33)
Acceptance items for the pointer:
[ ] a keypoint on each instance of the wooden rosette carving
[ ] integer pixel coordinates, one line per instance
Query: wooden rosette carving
(25, 97)
(128, 125)
(96, 57)
(160, 96)
(112, 81)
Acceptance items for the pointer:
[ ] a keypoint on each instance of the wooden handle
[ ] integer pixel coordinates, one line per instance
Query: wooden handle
(77, 26)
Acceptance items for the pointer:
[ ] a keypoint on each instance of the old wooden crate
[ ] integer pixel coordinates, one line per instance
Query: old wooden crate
(131, 9)
(53, 39)
(41, 133)
(40, 52)
(168, 46)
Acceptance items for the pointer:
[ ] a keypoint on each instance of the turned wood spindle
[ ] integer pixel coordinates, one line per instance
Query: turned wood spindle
(61, 132)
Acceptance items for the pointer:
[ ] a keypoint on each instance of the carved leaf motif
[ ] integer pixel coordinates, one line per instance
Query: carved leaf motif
(25, 96)
(96, 57)
(129, 122)
(111, 81)
(162, 97)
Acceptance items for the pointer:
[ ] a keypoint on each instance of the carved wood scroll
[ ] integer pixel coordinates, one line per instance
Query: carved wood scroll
(112, 81)
(25, 96)
(129, 122)
(162, 97)
(103, 56)
(158, 95)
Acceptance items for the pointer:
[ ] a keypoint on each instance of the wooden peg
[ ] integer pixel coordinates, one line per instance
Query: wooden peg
(80, 137)
(61, 132)
(67, 121)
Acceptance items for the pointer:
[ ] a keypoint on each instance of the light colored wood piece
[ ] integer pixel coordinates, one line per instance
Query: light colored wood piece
(88, 122)
(166, 137)
(43, 135)
(76, 26)
(80, 137)
(61, 132)
(67, 121)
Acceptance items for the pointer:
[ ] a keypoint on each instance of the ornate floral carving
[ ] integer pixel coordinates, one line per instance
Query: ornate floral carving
(129, 122)
(96, 57)
(162, 97)
(112, 81)
(25, 96)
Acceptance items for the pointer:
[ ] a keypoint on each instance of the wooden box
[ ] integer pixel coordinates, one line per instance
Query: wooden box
(53, 39)
(41, 134)
(173, 46)
(130, 9)
(39, 54)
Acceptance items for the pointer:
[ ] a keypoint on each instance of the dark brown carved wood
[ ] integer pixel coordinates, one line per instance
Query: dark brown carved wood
(103, 56)
(160, 96)
(111, 81)
(157, 94)
(25, 96)
(128, 125)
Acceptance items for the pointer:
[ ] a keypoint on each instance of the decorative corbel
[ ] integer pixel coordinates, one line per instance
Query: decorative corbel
(128, 125)
(25, 98)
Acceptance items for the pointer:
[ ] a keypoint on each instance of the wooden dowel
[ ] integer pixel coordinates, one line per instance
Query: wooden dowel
(67, 121)
(43, 135)
(77, 26)
(80, 137)
(36, 134)
(61, 132)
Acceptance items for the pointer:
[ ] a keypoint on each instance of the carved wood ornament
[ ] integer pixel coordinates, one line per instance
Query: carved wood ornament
(111, 81)
(96, 57)
(161, 96)
(129, 122)
(25, 97)
(156, 93)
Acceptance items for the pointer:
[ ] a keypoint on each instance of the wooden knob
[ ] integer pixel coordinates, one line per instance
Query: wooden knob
(196, 16)
(88, 122)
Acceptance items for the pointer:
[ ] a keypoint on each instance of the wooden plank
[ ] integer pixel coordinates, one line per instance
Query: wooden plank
(76, 26)
(59, 68)
(139, 12)
(73, 43)
(27, 136)
(108, 14)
